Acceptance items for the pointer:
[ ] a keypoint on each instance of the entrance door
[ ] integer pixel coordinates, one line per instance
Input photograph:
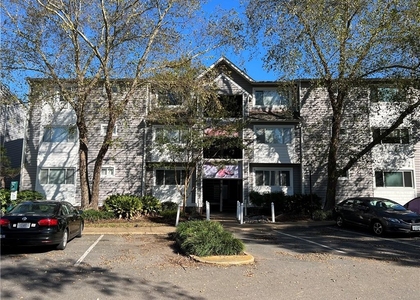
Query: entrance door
(222, 194)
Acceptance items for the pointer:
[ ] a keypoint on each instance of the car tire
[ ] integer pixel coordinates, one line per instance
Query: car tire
(80, 232)
(64, 240)
(378, 228)
(339, 221)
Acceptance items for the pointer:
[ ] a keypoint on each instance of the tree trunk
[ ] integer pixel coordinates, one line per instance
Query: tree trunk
(83, 171)
(97, 176)
(337, 105)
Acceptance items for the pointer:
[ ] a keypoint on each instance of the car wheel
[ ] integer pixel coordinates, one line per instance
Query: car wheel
(339, 221)
(378, 228)
(64, 239)
(80, 232)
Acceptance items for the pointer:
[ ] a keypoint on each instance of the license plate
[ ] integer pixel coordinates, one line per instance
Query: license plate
(2, 236)
(23, 225)
(415, 227)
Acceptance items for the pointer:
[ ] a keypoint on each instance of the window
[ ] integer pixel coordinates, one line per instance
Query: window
(166, 135)
(271, 98)
(57, 176)
(273, 135)
(170, 177)
(224, 147)
(59, 134)
(398, 136)
(107, 171)
(387, 94)
(64, 210)
(272, 178)
(232, 106)
(169, 98)
(393, 179)
(104, 127)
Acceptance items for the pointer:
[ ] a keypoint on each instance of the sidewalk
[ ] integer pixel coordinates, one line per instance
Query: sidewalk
(230, 223)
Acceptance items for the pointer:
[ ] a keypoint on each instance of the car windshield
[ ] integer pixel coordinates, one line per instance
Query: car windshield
(387, 204)
(33, 208)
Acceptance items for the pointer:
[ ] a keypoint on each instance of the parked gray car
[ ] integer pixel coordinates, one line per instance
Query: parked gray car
(380, 214)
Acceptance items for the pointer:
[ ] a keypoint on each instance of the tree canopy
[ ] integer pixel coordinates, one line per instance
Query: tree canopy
(91, 44)
(340, 44)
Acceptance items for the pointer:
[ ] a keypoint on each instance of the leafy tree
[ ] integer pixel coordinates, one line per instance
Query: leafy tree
(201, 120)
(5, 170)
(89, 44)
(341, 44)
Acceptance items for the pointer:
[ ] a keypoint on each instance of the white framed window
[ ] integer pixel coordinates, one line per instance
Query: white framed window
(170, 135)
(388, 94)
(271, 97)
(55, 134)
(104, 127)
(273, 134)
(272, 177)
(169, 177)
(107, 171)
(394, 179)
(57, 176)
(398, 136)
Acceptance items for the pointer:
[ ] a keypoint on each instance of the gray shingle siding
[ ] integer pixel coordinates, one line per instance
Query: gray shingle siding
(309, 117)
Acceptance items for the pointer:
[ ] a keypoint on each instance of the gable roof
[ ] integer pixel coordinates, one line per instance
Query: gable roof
(224, 61)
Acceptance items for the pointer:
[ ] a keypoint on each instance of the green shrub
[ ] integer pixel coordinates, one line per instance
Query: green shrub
(92, 215)
(169, 205)
(123, 206)
(257, 199)
(168, 215)
(299, 204)
(205, 238)
(150, 205)
(21, 197)
(320, 215)
(29, 195)
(4, 199)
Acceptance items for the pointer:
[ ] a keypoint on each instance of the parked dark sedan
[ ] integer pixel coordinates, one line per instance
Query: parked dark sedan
(379, 214)
(36, 223)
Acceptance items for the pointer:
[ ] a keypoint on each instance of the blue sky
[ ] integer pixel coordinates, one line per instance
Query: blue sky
(252, 67)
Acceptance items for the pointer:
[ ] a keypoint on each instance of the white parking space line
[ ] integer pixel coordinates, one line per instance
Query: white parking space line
(79, 261)
(312, 242)
(396, 241)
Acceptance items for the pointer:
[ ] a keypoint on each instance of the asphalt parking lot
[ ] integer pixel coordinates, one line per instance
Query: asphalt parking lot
(300, 261)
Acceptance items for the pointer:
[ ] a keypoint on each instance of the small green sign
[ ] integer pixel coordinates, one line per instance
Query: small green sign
(13, 186)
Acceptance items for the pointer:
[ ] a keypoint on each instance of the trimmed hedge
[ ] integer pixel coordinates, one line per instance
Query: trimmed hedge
(206, 238)
(93, 215)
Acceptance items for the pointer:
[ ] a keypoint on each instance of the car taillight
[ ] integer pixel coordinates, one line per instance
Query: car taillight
(4, 222)
(48, 222)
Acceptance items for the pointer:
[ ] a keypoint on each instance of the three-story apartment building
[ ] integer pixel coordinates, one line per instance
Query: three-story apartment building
(286, 137)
